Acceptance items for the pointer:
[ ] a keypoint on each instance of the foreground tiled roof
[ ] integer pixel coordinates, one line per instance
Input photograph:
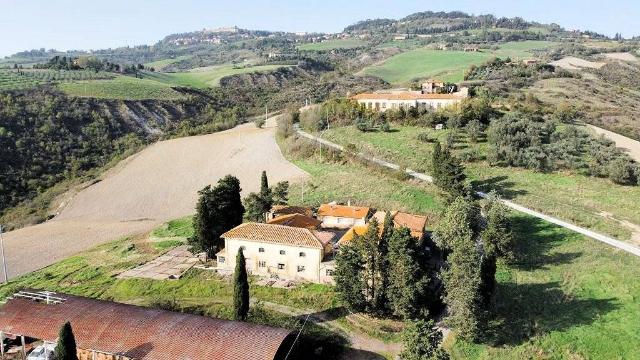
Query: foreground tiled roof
(356, 212)
(296, 220)
(289, 209)
(274, 234)
(142, 333)
(406, 96)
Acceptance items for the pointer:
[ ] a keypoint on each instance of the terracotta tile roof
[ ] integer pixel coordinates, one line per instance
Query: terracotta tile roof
(355, 212)
(349, 235)
(288, 209)
(296, 220)
(406, 96)
(415, 223)
(274, 234)
(142, 333)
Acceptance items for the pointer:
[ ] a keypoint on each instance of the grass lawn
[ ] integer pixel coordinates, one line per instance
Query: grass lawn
(445, 65)
(332, 44)
(207, 76)
(122, 88)
(573, 197)
(158, 65)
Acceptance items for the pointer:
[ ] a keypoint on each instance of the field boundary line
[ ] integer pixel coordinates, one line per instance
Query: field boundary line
(634, 250)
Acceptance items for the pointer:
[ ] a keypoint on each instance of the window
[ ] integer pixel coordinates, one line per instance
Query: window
(329, 272)
(282, 252)
(340, 220)
(221, 259)
(262, 264)
(302, 254)
(260, 249)
(300, 268)
(280, 266)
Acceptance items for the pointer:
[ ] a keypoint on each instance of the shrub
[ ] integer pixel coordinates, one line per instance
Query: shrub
(622, 171)
(425, 138)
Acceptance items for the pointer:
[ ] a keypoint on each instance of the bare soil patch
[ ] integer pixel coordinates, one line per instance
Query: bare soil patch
(624, 56)
(158, 184)
(574, 63)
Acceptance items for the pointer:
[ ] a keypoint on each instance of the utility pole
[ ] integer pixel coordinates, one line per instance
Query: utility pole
(4, 261)
(266, 113)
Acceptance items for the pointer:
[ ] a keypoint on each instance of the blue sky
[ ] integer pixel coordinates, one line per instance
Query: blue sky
(89, 24)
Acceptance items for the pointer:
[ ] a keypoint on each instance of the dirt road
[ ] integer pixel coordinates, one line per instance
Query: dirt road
(158, 184)
(631, 146)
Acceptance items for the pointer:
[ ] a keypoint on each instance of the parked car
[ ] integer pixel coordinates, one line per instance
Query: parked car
(42, 352)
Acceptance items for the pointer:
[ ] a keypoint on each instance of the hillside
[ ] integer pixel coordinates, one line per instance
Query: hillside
(147, 189)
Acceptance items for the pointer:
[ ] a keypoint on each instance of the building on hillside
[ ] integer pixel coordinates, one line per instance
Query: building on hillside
(383, 101)
(401, 37)
(297, 220)
(279, 210)
(287, 252)
(106, 330)
(415, 223)
(336, 216)
(432, 86)
(530, 61)
(471, 49)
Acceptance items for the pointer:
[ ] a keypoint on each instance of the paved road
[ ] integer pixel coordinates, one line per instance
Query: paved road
(158, 184)
(424, 177)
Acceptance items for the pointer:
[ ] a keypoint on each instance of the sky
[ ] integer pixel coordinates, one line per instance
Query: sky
(89, 24)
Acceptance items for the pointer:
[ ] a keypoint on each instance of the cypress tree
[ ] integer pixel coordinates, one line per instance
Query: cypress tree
(66, 347)
(457, 233)
(448, 172)
(407, 282)
(240, 288)
(368, 247)
(497, 242)
(382, 298)
(349, 277)
(203, 238)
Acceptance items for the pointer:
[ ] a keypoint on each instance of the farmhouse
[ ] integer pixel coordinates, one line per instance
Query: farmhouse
(294, 253)
(106, 330)
(342, 216)
(423, 99)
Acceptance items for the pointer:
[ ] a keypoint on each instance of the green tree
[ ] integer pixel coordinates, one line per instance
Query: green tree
(474, 130)
(381, 301)
(203, 222)
(265, 192)
(422, 342)
(497, 242)
(280, 193)
(218, 210)
(448, 172)
(66, 347)
(407, 282)
(457, 233)
(240, 288)
(349, 277)
(367, 244)
(254, 208)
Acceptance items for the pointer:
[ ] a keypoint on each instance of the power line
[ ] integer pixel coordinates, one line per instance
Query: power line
(297, 336)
